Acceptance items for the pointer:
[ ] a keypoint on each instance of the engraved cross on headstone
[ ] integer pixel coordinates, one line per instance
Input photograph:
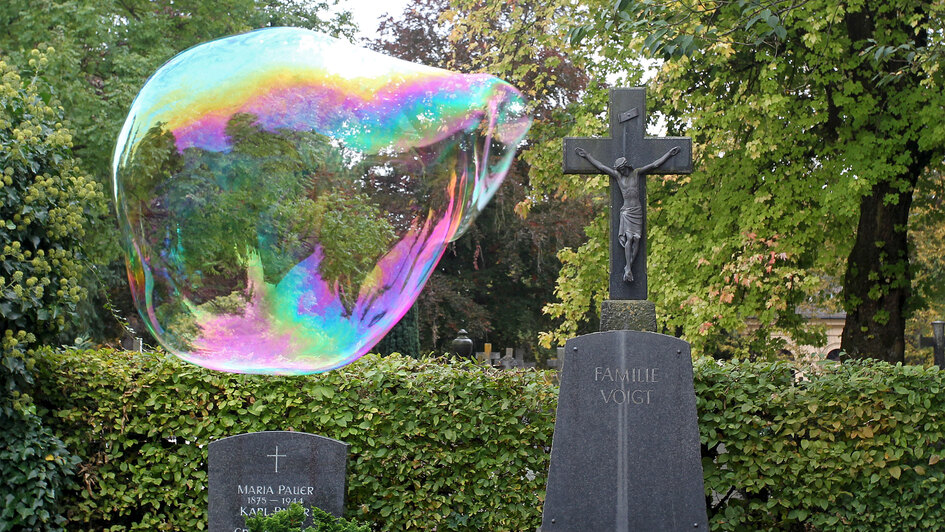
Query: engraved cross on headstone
(627, 140)
(277, 456)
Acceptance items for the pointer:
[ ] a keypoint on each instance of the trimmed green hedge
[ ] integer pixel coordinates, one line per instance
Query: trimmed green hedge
(855, 446)
(448, 445)
(432, 445)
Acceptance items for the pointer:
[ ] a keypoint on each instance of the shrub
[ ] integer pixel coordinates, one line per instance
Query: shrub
(292, 518)
(43, 197)
(852, 446)
(35, 466)
(432, 444)
(43, 202)
(452, 446)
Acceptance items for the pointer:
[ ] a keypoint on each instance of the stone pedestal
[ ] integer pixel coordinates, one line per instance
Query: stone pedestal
(628, 315)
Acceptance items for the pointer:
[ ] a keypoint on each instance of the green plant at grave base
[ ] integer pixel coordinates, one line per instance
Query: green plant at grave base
(437, 444)
(291, 519)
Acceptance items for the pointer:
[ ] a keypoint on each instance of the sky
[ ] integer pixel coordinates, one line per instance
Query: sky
(367, 12)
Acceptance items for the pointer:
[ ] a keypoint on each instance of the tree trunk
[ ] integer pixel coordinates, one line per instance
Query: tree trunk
(878, 280)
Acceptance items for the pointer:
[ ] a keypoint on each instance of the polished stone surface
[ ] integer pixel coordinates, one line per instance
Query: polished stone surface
(625, 454)
(263, 472)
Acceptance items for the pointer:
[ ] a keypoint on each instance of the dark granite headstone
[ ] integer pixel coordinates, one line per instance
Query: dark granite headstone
(625, 454)
(263, 472)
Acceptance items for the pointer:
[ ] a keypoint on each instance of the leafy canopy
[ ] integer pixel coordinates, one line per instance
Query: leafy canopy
(811, 122)
(495, 279)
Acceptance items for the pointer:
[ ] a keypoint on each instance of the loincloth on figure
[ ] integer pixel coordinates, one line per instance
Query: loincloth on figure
(631, 223)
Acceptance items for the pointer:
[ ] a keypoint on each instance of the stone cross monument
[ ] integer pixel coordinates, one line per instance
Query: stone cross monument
(627, 156)
(626, 450)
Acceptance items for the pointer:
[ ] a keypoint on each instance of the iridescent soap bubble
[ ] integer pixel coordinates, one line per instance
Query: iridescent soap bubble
(283, 196)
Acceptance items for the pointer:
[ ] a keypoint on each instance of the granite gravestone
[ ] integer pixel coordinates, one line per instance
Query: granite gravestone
(625, 454)
(264, 472)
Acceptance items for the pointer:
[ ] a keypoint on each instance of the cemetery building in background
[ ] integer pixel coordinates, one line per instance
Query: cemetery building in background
(832, 322)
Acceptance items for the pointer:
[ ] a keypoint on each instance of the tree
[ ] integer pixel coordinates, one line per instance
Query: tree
(494, 280)
(104, 52)
(812, 121)
(106, 49)
(527, 41)
(45, 206)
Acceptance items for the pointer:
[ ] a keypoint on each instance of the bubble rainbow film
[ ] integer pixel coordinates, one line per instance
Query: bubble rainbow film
(283, 196)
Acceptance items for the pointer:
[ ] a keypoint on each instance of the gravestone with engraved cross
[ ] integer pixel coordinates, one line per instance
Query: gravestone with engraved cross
(628, 141)
(261, 473)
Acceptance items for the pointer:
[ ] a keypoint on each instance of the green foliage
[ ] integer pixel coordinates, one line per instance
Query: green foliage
(45, 203)
(927, 261)
(104, 52)
(404, 338)
(217, 217)
(44, 200)
(106, 49)
(433, 444)
(810, 124)
(34, 464)
(292, 518)
(857, 446)
(494, 281)
(577, 273)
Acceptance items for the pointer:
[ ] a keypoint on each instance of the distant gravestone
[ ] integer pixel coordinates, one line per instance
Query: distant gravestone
(261, 473)
(625, 454)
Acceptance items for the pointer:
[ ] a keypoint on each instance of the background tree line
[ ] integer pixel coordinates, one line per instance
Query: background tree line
(819, 144)
(493, 281)
(101, 54)
(817, 130)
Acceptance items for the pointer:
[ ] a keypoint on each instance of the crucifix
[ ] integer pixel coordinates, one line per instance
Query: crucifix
(627, 156)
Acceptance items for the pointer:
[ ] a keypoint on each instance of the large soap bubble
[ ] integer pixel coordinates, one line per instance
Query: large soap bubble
(283, 196)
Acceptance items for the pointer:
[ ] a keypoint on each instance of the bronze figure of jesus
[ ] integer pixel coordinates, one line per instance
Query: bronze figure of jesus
(631, 212)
